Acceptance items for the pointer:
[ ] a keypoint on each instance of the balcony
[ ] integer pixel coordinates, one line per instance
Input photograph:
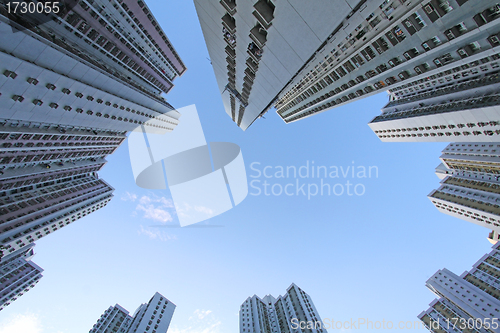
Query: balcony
(229, 23)
(264, 12)
(380, 45)
(394, 62)
(250, 74)
(454, 32)
(411, 54)
(487, 15)
(252, 65)
(429, 44)
(404, 75)
(457, 105)
(390, 80)
(466, 51)
(230, 52)
(229, 5)
(258, 35)
(231, 61)
(254, 51)
(420, 69)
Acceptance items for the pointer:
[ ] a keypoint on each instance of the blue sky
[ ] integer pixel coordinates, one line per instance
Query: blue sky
(364, 256)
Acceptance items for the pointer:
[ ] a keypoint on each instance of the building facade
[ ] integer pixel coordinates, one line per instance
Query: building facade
(257, 47)
(18, 274)
(72, 84)
(455, 98)
(432, 57)
(473, 297)
(284, 314)
(114, 319)
(154, 317)
(66, 103)
(48, 178)
(470, 185)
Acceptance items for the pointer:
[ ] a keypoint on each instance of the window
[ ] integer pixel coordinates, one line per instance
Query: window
(66, 91)
(50, 86)
(32, 81)
(10, 74)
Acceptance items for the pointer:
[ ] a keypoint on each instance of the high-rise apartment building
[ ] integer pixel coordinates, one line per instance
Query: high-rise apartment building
(433, 57)
(70, 90)
(18, 274)
(470, 185)
(257, 47)
(43, 82)
(469, 302)
(48, 178)
(154, 317)
(493, 237)
(455, 97)
(121, 37)
(114, 319)
(284, 314)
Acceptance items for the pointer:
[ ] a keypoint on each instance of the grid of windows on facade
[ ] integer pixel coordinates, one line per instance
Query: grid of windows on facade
(338, 65)
(121, 48)
(417, 64)
(101, 104)
(34, 214)
(264, 13)
(82, 52)
(17, 277)
(488, 99)
(153, 317)
(115, 32)
(477, 158)
(470, 185)
(277, 315)
(475, 295)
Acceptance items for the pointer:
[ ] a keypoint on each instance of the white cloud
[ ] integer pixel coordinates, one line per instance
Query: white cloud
(202, 321)
(161, 209)
(156, 208)
(155, 234)
(22, 323)
(155, 213)
(202, 313)
(184, 209)
(162, 201)
(129, 197)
